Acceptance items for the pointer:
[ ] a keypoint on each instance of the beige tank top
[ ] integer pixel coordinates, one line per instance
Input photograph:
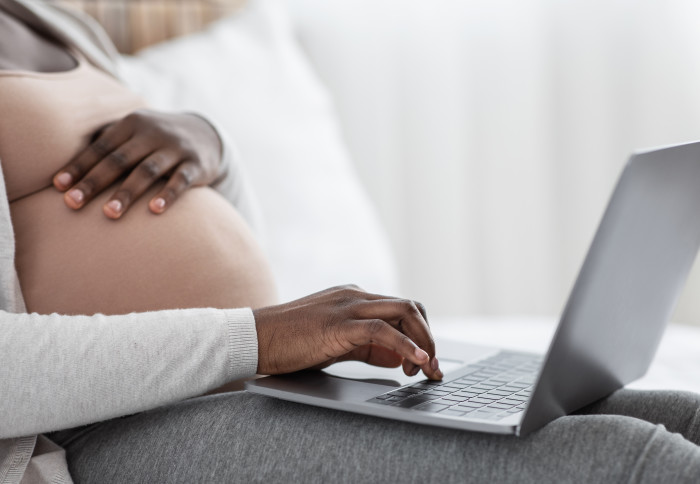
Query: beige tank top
(199, 253)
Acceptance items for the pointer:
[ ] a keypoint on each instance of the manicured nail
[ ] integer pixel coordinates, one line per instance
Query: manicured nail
(435, 364)
(420, 354)
(159, 203)
(77, 196)
(439, 374)
(415, 371)
(115, 206)
(64, 179)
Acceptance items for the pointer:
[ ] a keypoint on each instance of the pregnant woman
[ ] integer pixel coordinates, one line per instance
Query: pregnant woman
(125, 248)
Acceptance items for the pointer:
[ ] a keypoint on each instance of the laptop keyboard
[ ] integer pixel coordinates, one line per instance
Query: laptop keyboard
(491, 389)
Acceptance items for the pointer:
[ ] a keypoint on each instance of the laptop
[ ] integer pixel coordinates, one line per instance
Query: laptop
(607, 335)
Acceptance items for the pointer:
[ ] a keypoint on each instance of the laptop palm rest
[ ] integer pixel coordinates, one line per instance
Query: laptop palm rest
(304, 385)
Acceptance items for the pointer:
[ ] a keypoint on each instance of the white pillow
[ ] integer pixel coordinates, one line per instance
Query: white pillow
(247, 73)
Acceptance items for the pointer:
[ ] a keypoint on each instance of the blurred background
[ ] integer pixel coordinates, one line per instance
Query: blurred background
(489, 134)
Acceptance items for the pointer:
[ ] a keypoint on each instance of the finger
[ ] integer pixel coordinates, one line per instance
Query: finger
(106, 142)
(409, 368)
(182, 179)
(354, 290)
(379, 332)
(374, 355)
(106, 172)
(146, 173)
(404, 315)
(423, 312)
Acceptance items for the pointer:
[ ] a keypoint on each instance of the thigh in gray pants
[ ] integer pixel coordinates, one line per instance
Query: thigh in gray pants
(240, 437)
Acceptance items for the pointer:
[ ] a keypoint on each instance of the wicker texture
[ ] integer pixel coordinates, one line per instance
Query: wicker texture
(135, 24)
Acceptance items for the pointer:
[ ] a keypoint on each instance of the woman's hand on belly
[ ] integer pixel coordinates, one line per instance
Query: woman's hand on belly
(345, 323)
(145, 146)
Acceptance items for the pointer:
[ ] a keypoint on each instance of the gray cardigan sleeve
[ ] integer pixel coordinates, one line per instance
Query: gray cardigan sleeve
(66, 371)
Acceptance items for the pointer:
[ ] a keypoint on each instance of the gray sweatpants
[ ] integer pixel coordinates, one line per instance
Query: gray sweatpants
(239, 437)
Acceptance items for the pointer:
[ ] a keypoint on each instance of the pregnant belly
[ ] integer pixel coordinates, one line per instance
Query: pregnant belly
(199, 253)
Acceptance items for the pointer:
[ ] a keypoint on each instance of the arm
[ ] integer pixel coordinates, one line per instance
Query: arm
(64, 371)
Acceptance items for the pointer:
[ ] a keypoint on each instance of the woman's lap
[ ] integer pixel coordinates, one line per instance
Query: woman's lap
(238, 437)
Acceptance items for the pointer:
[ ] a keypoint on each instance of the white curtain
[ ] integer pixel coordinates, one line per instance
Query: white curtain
(490, 133)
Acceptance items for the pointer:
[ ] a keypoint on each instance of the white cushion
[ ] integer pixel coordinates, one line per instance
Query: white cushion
(247, 73)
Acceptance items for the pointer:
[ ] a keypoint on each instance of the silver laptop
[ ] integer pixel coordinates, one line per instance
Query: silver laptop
(607, 336)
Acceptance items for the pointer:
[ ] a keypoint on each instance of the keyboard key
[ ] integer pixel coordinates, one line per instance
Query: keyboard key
(413, 401)
(451, 387)
(435, 393)
(485, 386)
(475, 390)
(451, 384)
(500, 392)
(399, 393)
(518, 384)
(470, 405)
(455, 398)
(510, 388)
(431, 407)
(501, 406)
(469, 379)
(424, 385)
(452, 412)
(411, 390)
(483, 375)
(442, 401)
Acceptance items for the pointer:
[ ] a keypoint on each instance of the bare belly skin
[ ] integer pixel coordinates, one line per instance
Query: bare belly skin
(199, 253)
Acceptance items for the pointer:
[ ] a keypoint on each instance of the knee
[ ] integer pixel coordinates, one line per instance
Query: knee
(607, 448)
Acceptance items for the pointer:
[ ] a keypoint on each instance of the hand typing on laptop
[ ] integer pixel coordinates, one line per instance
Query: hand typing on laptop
(345, 323)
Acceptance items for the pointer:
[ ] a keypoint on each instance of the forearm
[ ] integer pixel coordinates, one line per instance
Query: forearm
(63, 371)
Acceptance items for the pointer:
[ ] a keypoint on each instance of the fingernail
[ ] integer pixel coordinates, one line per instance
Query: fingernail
(435, 364)
(415, 371)
(420, 354)
(159, 203)
(439, 374)
(64, 179)
(77, 196)
(115, 206)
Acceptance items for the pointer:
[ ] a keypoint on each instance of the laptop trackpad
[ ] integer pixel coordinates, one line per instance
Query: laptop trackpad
(356, 370)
